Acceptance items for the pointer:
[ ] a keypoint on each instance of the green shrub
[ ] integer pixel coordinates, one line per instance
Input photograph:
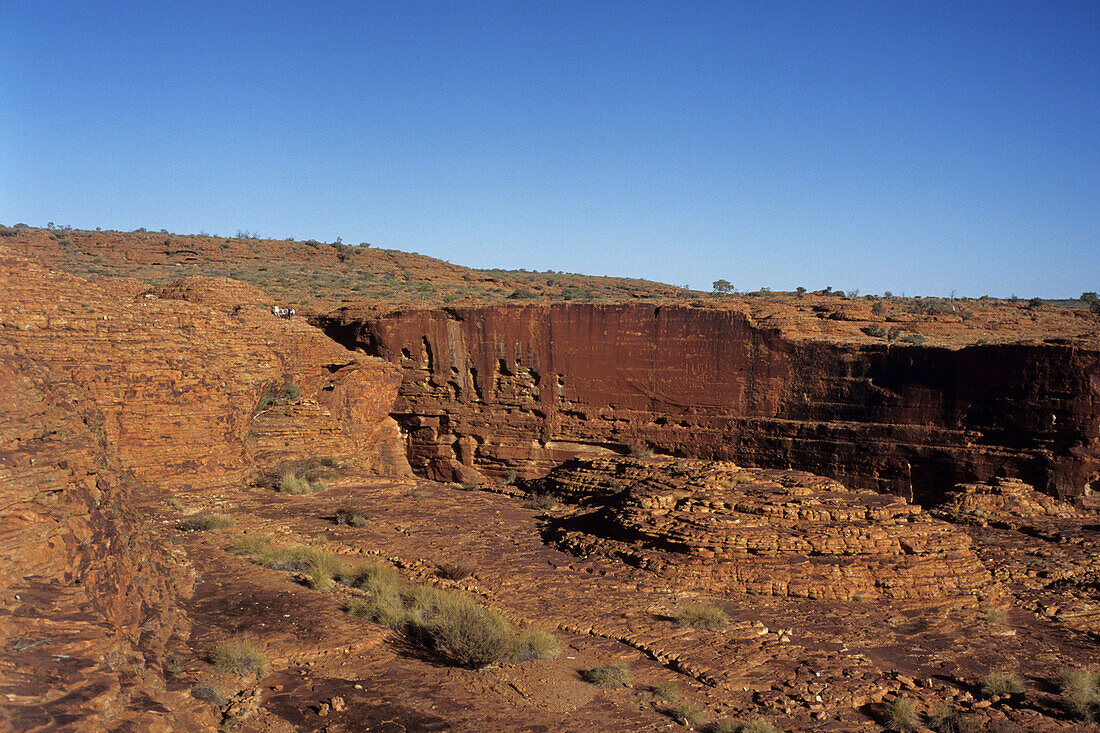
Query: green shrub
(900, 715)
(535, 643)
(240, 656)
(708, 616)
(913, 338)
(609, 676)
(875, 330)
(454, 625)
(1080, 690)
(206, 522)
(1001, 683)
(449, 623)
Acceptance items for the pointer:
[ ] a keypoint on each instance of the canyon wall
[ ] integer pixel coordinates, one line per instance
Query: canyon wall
(113, 397)
(493, 389)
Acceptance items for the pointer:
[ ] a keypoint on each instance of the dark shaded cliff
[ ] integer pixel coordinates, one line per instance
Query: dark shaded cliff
(522, 388)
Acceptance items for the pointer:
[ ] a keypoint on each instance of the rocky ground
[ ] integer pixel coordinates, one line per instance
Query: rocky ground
(801, 663)
(146, 425)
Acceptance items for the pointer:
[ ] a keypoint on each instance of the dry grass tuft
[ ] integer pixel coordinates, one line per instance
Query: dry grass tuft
(702, 616)
(608, 677)
(206, 522)
(240, 656)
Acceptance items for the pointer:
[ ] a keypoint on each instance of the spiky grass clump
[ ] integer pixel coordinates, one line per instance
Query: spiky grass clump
(757, 725)
(702, 616)
(457, 627)
(240, 656)
(669, 692)
(206, 522)
(541, 501)
(536, 643)
(1002, 683)
(900, 715)
(351, 516)
(291, 483)
(1080, 690)
(322, 567)
(608, 676)
(451, 624)
(688, 712)
(251, 545)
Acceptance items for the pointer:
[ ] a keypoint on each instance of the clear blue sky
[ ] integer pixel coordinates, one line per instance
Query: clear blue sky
(907, 146)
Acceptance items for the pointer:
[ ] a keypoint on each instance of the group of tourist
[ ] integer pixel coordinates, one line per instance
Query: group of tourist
(281, 312)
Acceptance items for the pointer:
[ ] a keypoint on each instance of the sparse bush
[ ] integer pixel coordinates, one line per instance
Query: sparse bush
(382, 603)
(994, 616)
(1080, 690)
(206, 522)
(757, 725)
(252, 545)
(454, 625)
(536, 643)
(240, 656)
(945, 719)
(875, 330)
(450, 623)
(321, 567)
(913, 338)
(291, 483)
(1002, 683)
(668, 691)
(541, 501)
(702, 616)
(509, 478)
(351, 516)
(688, 712)
(208, 693)
(900, 715)
(608, 677)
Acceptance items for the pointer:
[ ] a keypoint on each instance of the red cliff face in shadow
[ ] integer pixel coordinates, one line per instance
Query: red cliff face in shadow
(493, 389)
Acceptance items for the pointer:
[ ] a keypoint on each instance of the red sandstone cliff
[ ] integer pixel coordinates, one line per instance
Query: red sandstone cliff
(526, 387)
(111, 396)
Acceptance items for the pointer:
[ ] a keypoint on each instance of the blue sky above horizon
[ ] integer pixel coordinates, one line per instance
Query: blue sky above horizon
(916, 147)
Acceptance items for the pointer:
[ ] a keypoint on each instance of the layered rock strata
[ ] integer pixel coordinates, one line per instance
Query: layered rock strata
(111, 397)
(725, 530)
(523, 388)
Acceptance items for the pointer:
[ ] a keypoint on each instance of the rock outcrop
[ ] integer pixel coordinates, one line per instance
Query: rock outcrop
(523, 388)
(722, 529)
(111, 397)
